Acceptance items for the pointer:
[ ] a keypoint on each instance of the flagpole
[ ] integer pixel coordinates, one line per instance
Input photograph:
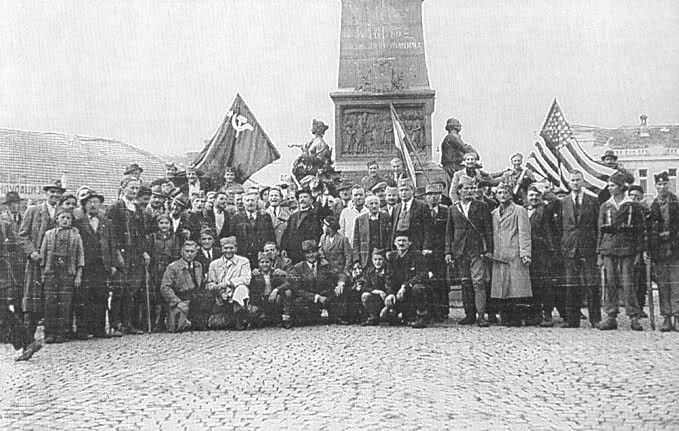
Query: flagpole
(412, 150)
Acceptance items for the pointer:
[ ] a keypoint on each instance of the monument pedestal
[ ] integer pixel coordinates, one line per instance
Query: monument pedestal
(382, 63)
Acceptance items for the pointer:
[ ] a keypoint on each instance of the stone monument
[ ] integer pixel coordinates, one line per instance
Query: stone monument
(382, 62)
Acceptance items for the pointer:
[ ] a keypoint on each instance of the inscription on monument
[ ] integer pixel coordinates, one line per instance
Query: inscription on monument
(382, 46)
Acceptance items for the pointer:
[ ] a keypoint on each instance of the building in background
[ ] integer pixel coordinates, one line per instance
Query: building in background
(642, 149)
(31, 159)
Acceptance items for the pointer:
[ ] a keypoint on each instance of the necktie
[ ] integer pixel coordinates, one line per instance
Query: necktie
(403, 219)
(577, 208)
(433, 213)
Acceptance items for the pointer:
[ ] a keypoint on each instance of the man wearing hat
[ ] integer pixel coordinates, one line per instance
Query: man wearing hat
(453, 148)
(373, 177)
(344, 199)
(610, 160)
(127, 219)
(371, 231)
(517, 178)
(182, 225)
(229, 277)
(11, 223)
(252, 228)
(440, 302)
(620, 245)
(412, 217)
(309, 288)
(279, 214)
(664, 241)
(379, 190)
(303, 225)
(101, 260)
(37, 220)
(133, 170)
(469, 237)
(154, 208)
(335, 247)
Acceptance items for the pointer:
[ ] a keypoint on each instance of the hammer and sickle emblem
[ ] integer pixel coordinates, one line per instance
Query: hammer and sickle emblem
(240, 123)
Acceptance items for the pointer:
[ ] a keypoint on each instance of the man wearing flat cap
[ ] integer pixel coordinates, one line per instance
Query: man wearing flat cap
(102, 258)
(37, 220)
(664, 247)
(229, 277)
(620, 245)
(379, 190)
(309, 288)
(453, 148)
(154, 208)
(182, 223)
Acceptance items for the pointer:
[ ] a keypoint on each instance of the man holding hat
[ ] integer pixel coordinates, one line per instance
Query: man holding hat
(453, 148)
(440, 302)
(303, 225)
(101, 260)
(37, 221)
(309, 288)
(664, 241)
(620, 245)
(229, 277)
(517, 178)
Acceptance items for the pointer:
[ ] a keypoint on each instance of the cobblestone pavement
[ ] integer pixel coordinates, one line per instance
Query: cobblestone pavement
(332, 377)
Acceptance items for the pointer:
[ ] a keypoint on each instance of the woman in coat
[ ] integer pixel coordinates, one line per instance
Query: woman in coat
(512, 256)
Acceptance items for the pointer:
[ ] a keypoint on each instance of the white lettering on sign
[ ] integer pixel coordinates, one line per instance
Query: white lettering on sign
(25, 190)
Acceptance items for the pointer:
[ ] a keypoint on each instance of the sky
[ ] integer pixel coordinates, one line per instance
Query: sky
(161, 74)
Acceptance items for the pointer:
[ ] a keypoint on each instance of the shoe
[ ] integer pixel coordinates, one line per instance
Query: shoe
(481, 322)
(492, 319)
(667, 325)
(547, 323)
(419, 323)
(29, 351)
(115, 332)
(568, 325)
(286, 321)
(371, 321)
(343, 322)
(635, 325)
(608, 324)
(468, 320)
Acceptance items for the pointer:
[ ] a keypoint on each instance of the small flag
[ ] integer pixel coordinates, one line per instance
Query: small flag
(402, 144)
(240, 142)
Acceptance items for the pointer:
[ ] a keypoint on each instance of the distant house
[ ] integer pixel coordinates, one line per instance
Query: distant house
(644, 150)
(31, 159)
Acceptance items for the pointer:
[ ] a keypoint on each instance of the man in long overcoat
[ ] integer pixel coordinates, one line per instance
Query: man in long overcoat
(512, 255)
(303, 225)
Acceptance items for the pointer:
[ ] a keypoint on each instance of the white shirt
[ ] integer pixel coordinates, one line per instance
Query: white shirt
(175, 223)
(347, 221)
(577, 198)
(94, 222)
(406, 206)
(219, 220)
(465, 207)
(52, 210)
(194, 188)
(129, 204)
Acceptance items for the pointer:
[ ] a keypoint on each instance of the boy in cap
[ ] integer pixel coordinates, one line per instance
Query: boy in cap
(664, 242)
(620, 245)
(62, 261)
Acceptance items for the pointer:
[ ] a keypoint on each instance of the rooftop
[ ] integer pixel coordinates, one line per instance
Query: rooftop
(630, 137)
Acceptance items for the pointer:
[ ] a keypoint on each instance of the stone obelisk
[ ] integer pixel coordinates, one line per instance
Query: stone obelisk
(382, 62)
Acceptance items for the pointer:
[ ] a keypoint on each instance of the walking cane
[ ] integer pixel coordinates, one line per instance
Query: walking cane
(603, 286)
(649, 288)
(148, 299)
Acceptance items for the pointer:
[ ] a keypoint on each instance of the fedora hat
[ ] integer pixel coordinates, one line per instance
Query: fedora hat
(89, 195)
(309, 245)
(55, 184)
(11, 197)
(131, 168)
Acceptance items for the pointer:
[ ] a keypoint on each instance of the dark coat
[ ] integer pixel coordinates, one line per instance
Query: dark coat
(361, 246)
(577, 238)
(100, 243)
(453, 149)
(471, 236)
(373, 280)
(258, 286)
(226, 227)
(419, 232)
(252, 237)
(409, 270)
(130, 239)
(200, 257)
(542, 243)
(669, 246)
(625, 234)
(33, 227)
(301, 226)
(186, 222)
(438, 230)
(303, 283)
(338, 254)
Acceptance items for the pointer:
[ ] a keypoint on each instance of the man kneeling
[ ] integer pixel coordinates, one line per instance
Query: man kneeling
(229, 276)
(407, 291)
(264, 298)
(180, 278)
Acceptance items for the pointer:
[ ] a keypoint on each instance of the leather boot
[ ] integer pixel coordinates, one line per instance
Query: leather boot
(609, 324)
(666, 325)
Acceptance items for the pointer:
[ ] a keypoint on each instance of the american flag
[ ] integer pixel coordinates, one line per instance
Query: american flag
(557, 153)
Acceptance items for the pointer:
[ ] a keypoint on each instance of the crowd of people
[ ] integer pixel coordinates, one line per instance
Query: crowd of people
(186, 252)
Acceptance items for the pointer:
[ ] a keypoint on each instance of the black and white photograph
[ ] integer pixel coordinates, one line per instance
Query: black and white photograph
(339, 215)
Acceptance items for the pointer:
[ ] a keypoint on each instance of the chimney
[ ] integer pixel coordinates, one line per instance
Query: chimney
(643, 129)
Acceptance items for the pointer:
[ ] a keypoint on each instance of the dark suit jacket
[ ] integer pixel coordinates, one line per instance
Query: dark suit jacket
(132, 237)
(542, 245)
(361, 248)
(303, 283)
(409, 269)
(438, 230)
(205, 263)
(186, 222)
(301, 227)
(33, 227)
(251, 238)
(578, 238)
(462, 239)
(419, 232)
(226, 227)
(99, 243)
(258, 286)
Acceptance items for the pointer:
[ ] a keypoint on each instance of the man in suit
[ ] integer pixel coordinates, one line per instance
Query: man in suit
(308, 289)
(220, 218)
(252, 228)
(440, 302)
(577, 225)
(181, 278)
(127, 222)
(11, 222)
(392, 199)
(182, 223)
(278, 213)
(371, 231)
(542, 251)
(469, 238)
(154, 208)
(207, 252)
(413, 218)
(303, 225)
(37, 220)
(102, 259)
(195, 183)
